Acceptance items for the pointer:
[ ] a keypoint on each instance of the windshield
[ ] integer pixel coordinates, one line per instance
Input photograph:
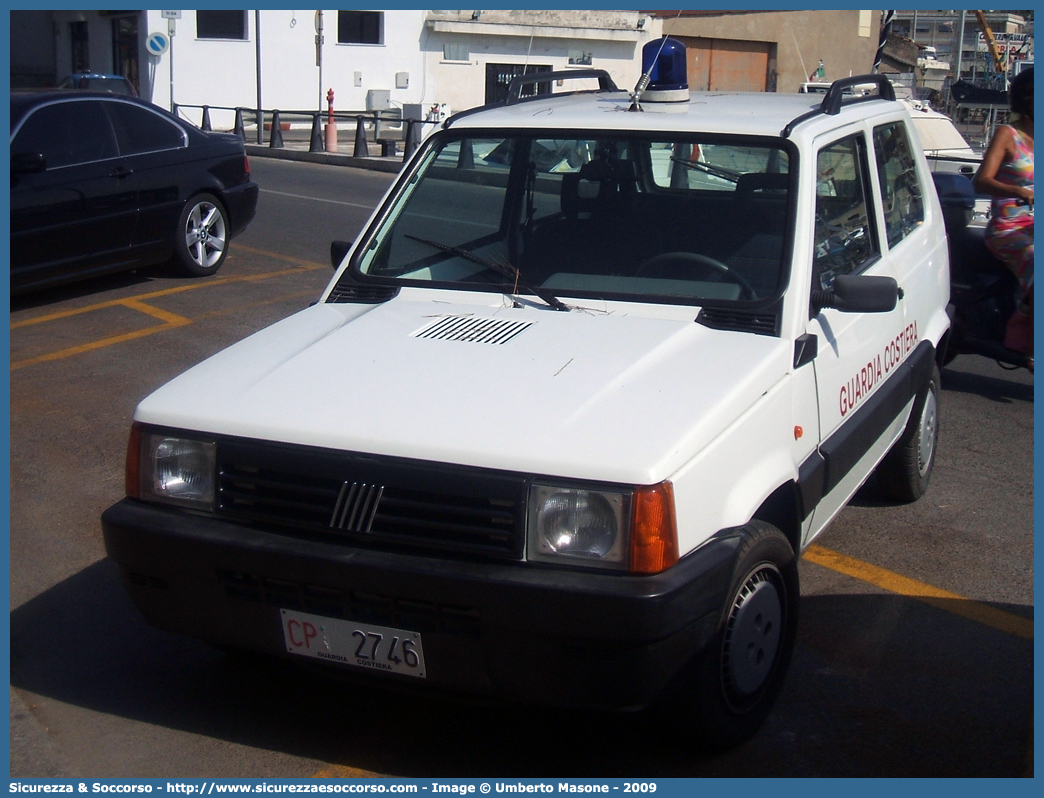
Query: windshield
(668, 219)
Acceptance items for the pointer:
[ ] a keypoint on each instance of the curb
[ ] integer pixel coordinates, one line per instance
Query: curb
(392, 165)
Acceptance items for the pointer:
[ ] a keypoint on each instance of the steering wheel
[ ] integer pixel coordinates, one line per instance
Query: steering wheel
(680, 265)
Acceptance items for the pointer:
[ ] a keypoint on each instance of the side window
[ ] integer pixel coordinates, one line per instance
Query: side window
(900, 189)
(844, 237)
(360, 27)
(221, 25)
(139, 130)
(67, 133)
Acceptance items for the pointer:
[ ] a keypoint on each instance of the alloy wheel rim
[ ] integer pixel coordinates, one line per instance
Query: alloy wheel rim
(205, 234)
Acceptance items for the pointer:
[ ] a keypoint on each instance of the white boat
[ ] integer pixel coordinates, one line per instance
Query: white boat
(947, 150)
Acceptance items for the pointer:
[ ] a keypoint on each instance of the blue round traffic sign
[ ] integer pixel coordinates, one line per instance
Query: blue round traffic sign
(157, 43)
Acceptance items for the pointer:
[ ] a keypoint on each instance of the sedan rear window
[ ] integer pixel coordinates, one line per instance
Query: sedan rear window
(139, 130)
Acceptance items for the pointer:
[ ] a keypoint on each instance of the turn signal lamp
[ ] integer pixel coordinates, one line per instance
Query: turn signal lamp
(654, 532)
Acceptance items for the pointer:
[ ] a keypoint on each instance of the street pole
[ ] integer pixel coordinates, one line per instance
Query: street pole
(319, 54)
(170, 62)
(960, 48)
(257, 46)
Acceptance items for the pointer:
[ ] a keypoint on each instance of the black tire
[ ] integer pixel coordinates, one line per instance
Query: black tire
(201, 239)
(738, 678)
(906, 470)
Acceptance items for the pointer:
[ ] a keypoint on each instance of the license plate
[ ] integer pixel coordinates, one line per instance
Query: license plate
(363, 645)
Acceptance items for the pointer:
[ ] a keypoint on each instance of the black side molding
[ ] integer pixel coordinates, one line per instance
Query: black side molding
(838, 454)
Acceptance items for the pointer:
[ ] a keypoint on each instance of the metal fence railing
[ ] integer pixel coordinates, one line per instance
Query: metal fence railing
(384, 129)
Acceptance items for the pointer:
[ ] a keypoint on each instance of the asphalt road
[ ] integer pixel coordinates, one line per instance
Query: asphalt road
(915, 647)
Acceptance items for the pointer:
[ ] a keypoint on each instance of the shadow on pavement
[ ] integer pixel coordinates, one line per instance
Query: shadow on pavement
(880, 686)
(1017, 387)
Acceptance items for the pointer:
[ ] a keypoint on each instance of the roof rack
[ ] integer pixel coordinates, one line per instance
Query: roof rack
(835, 97)
(514, 90)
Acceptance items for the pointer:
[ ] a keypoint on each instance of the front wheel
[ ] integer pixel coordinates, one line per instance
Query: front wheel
(738, 678)
(201, 241)
(906, 470)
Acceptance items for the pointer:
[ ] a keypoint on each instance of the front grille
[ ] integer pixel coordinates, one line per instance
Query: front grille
(365, 500)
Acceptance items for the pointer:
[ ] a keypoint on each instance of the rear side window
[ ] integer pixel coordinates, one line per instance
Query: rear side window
(139, 130)
(901, 192)
(844, 236)
(67, 134)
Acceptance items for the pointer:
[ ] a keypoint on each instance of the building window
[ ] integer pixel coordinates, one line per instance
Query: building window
(456, 52)
(81, 61)
(360, 27)
(221, 25)
(499, 76)
(580, 58)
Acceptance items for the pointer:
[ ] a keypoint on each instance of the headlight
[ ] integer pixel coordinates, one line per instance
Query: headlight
(578, 524)
(173, 470)
(627, 530)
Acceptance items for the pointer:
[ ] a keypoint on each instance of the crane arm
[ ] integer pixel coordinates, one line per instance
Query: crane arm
(991, 43)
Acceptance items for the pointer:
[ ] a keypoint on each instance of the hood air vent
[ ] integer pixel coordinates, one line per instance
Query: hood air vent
(476, 330)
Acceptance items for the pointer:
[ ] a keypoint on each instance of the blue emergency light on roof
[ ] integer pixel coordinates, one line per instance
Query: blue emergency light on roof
(664, 62)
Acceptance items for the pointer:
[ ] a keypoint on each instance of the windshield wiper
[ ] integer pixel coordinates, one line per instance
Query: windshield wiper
(503, 269)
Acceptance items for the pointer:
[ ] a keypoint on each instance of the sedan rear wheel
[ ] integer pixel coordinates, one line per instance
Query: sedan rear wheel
(202, 238)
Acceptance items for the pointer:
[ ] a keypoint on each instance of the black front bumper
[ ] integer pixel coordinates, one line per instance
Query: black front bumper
(513, 630)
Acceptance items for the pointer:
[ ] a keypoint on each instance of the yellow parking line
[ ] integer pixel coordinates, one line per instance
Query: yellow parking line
(89, 347)
(904, 586)
(213, 283)
(171, 320)
(305, 264)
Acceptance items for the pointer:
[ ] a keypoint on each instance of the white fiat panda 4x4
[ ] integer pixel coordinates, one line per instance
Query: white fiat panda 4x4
(599, 367)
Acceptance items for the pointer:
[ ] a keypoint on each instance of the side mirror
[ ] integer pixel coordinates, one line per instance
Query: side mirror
(338, 251)
(27, 163)
(859, 293)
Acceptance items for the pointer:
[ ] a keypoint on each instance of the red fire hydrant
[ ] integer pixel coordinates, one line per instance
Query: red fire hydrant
(331, 126)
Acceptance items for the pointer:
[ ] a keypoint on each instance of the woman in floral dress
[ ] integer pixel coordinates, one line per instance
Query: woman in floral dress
(1006, 174)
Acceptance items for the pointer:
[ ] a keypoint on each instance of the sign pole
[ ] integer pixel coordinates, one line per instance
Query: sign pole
(171, 17)
(170, 62)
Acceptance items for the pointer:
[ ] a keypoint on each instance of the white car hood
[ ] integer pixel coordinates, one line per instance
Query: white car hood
(592, 395)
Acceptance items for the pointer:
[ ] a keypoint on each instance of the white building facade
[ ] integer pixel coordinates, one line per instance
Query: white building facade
(411, 60)
(418, 63)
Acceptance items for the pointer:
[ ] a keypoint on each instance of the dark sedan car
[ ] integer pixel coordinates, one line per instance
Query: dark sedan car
(103, 183)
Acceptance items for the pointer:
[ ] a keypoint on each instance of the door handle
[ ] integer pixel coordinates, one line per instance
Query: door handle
(121, 172)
